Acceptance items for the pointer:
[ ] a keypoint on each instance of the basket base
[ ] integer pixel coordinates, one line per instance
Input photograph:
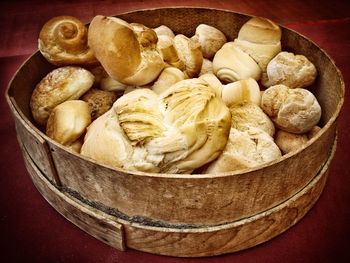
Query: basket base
(178, 241)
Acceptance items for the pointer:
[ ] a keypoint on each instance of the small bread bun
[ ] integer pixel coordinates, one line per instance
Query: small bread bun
(241, 92)
(207, 67)
(99, 101)
(127, 52)
(164, 31)
(167, 78)
(63, 41)
(61, 84)
(231, 64)
(289, 142)
(245, 149)
(294, 71)
(189, 51)
(169, 53)
(210, 38)
(68, 122)
(292, 110)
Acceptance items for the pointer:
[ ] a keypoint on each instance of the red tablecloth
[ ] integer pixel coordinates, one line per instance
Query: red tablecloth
(32, 231)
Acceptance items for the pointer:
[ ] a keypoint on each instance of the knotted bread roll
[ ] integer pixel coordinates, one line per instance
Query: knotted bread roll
(63, 41)
(61, 84)
(174, 132)
(126, 51)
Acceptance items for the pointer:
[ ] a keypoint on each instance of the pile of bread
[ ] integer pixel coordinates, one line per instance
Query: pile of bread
(146, 99)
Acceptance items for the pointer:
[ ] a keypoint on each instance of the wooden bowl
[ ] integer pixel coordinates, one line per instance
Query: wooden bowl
(182, 215)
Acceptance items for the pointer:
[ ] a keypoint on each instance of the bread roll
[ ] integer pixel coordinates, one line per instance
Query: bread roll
(292, 110)
(169, 53)
(61, 84)
(163, 30)
(189, 52)
(245, 149)
(63, 41)
(99, 101)
(167, 78)
(289, 142)
(231, 64)
(294, 71)
(210, 39)
(128, 53)
(68, 122)
(241, 92)
(207, 67)
(177, 131)
(245, 116)
(213, 82)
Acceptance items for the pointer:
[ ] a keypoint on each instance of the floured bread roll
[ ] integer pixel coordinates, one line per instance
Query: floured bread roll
(245, 116)
(127, 52)
(163, 30)
(294, 71)
(245, 149)
(231, 64)
(169, 53)
(167, 78)
(61, 84)
(99, 101)
(174, 132)
(63, 41)
(260, 38)
(210, 38)
(68, 122)
(241, 92)
(292, 110)
(189, 52)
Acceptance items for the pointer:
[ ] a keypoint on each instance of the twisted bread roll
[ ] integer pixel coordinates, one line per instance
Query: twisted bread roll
(63, 41)
(126, 51)
(61, 84)
(174, 132)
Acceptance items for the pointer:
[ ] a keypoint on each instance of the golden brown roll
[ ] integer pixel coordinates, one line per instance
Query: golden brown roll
(289, 142)
(127, 52)
(63, 41)
(99, 101)
(61, 84)
(68, 122)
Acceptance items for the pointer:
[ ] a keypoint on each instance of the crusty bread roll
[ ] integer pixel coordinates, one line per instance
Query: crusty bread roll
(245, 116)
(189, 51)
(63, 41)
(177, 131)
(127, 52)
(210, 39)
(68, 122)
(292, 110)
(294, 71)
(241, 92)
(168, 77)
(259, 38)
(245, 149)
(289, 142)
(61, 84)
(99, 101)
(231, 64)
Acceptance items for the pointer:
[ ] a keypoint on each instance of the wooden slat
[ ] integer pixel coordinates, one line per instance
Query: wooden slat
(95, 222)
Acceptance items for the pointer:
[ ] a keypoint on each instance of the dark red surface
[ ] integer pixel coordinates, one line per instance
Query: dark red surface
(32, 231)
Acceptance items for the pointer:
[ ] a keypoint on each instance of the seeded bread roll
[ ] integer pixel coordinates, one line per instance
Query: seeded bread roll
(61, 84)
(63, 41)
(127, 52)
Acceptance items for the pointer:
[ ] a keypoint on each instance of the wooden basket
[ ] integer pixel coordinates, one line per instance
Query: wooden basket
(182, 215)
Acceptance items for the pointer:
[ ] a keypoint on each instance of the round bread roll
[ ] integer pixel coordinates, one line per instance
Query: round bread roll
(99, 101)
(231, 64)
(63, 41)
(245, 149)
(163, 30)
(127, 52)
(68, 122)
(61, 84)
(249, 115)
(288, 142)
(169, 53)
(210, 38)
(189, 52)
(292, 110)
(177, 131)
(294, 71)
(207, 67)
(167, 78)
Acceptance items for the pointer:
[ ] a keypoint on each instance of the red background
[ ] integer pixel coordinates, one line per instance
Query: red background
(32, 231)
